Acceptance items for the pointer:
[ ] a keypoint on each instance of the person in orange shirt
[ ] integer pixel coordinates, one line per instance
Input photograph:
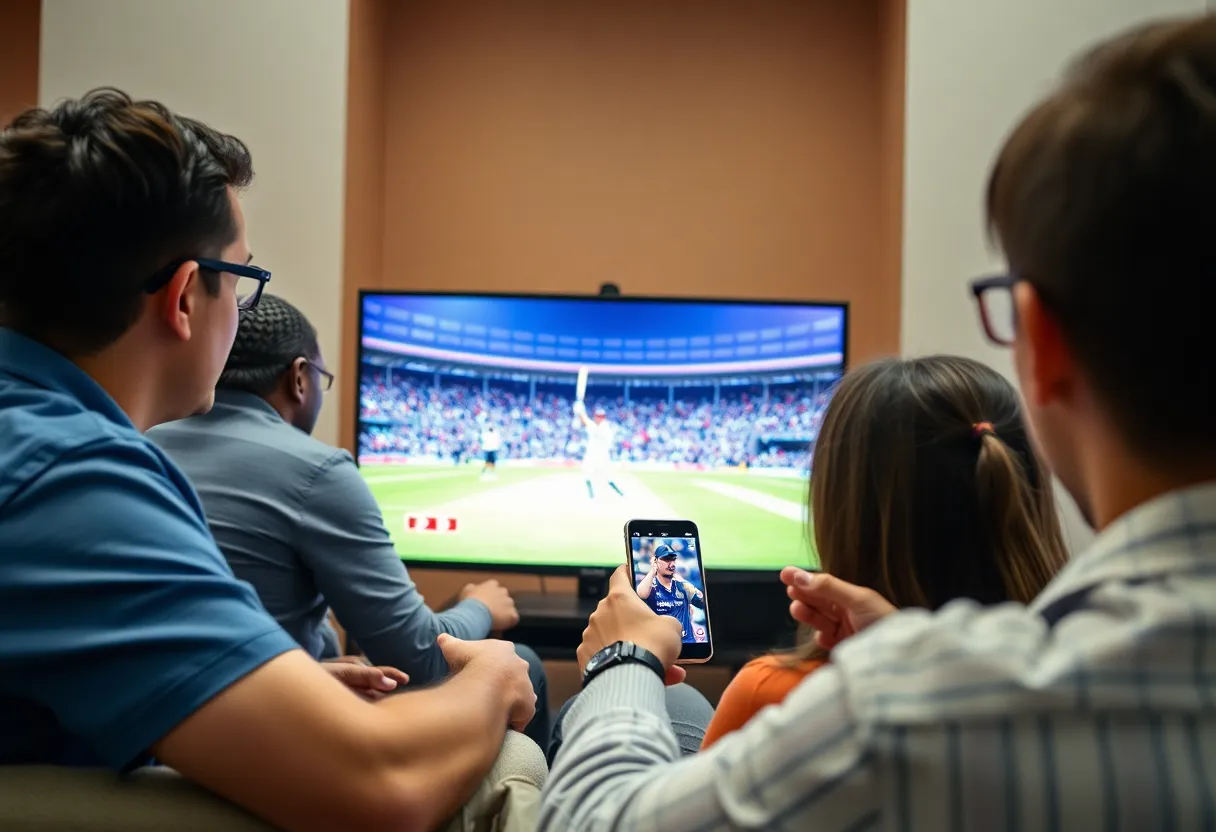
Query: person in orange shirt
(929, 490)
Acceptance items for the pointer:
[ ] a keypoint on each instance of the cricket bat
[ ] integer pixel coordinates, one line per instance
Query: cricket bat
(580, 386)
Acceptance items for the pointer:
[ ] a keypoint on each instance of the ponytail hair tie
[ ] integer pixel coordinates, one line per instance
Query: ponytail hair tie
(981, 429)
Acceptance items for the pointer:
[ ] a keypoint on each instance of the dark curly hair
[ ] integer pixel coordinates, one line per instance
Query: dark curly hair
(270, 337)
(97, 195)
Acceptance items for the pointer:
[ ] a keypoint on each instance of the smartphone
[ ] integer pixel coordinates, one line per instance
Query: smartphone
(665, 558)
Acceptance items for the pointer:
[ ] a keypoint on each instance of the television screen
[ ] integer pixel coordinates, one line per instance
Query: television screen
(523, 432)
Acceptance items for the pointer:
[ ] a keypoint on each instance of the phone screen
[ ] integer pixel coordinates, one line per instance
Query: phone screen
(668, 575)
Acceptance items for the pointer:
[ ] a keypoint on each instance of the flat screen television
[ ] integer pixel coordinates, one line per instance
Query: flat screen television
(692, 409)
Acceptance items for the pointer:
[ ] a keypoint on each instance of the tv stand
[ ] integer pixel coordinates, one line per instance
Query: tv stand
(554, 607)
(593, 584)
(553, 623)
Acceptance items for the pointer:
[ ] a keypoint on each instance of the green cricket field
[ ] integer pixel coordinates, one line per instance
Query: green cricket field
(544, 516)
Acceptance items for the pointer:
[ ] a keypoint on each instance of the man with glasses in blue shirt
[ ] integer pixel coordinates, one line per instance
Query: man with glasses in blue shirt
(124, 636)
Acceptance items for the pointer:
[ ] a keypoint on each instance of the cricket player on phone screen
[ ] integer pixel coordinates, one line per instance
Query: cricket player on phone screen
(667, 594)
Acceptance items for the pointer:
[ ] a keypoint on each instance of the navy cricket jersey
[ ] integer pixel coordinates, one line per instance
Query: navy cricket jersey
(673, 602)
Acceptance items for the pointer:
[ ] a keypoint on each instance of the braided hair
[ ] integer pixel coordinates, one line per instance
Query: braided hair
(270, 337)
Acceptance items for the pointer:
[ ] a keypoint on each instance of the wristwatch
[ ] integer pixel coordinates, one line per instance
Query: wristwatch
(621, 652)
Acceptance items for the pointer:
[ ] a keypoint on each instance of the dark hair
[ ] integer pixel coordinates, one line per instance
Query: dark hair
(925, 487)
(96, 196)
(270, 337)
(1103, 199)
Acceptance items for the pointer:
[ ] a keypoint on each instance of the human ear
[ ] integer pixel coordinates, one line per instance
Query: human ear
(298, 388)
(178, 300)
(1046, 362)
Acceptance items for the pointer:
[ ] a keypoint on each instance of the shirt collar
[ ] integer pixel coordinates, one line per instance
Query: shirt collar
(41, 366)
(1160, 537)
(244, 400)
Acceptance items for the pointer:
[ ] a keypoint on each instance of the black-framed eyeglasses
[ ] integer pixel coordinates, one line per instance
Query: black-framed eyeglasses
(327, 378)
(994, 296)
(250, 280)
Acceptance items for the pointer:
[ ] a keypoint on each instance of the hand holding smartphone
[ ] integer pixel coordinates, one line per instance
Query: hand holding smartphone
(664, 557)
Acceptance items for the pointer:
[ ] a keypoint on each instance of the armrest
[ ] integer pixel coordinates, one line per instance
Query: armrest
(45, 798)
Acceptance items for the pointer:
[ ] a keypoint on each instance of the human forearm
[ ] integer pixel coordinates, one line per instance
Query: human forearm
(644, 587)
(469, 620)
(410, 644)
(405, 642)
(625, 701)
(618, 768)
(439, 743)
(292, 745)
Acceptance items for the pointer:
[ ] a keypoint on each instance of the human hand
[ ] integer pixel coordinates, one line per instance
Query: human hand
(348, 659)
(623, 616)
(835, 609)
(501, 666)
(372, 683)
(503, 614)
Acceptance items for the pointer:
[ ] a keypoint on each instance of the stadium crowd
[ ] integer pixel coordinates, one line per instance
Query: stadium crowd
(416, 418)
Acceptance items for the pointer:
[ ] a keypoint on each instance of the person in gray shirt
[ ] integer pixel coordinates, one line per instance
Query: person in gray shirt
(295, 519)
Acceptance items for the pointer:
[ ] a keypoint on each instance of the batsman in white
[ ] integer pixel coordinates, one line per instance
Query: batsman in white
(597, 460)
(601, 436)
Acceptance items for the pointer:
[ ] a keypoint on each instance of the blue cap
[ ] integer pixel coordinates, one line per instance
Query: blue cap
(665, 552)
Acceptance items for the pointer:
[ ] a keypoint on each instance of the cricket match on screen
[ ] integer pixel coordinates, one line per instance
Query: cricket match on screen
(526, 431)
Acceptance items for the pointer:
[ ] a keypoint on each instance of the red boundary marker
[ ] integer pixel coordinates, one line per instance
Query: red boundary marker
(431, 523)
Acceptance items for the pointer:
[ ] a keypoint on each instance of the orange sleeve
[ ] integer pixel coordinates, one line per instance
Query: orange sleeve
(758, 684)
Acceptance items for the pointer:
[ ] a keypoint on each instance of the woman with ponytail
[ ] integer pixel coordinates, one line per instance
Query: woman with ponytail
(925, 488)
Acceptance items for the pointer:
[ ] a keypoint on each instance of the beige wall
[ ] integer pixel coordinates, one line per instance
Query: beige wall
(270, 71)
(713, 148)
(363, 232)
(708, 149)
(973, 67)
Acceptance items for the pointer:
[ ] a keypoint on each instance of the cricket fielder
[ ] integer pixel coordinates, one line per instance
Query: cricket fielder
(491, 444)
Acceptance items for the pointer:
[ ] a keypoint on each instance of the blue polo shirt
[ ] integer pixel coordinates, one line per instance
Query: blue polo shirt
(118, 615)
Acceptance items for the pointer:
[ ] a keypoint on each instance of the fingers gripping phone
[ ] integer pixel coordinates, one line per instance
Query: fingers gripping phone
(665, 557)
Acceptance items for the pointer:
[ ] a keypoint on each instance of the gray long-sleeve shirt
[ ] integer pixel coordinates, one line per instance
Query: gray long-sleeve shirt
(1090, 709)
(295, 519)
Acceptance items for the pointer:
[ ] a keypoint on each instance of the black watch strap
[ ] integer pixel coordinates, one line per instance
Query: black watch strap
(621, 652)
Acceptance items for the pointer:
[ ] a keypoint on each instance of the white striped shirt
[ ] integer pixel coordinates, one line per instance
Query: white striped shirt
(1094, 708)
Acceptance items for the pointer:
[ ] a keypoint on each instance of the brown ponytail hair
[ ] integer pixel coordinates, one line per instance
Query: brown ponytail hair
(926, 488)
(1026, 538)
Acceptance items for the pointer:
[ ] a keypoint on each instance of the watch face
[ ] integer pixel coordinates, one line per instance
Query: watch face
(597, 661)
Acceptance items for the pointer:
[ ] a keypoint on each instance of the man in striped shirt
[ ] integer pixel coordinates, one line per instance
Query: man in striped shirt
(1095, 707)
